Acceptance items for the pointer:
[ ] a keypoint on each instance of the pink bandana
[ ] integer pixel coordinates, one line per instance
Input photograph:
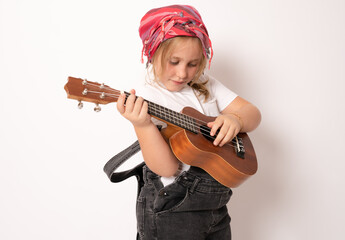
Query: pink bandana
(160, 24)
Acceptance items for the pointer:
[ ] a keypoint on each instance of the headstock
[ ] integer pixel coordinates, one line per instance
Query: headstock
(83, 90)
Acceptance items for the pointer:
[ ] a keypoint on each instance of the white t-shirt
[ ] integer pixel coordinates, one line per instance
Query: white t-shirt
(220, 97)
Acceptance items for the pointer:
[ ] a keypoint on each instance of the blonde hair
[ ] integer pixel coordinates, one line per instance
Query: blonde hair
(163, 53)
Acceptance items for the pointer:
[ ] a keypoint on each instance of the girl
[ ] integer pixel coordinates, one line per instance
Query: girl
(179, 201)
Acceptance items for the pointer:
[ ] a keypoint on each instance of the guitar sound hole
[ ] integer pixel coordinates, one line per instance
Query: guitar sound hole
(205, 131)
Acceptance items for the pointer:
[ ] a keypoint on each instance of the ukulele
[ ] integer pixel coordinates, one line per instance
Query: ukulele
(186, 132)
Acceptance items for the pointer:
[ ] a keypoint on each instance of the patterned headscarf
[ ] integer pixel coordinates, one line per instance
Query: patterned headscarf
(163, 23)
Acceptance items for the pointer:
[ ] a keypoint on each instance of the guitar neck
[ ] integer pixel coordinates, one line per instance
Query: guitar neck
(170, 116)
(83, 90)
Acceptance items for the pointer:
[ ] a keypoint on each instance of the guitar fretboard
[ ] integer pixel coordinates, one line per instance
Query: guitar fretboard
(173, 117)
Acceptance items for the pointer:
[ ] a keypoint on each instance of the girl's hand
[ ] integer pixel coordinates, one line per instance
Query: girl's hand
(229, 125)
(135, 109)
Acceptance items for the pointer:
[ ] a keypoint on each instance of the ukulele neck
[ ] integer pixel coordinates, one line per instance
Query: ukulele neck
(170, 116)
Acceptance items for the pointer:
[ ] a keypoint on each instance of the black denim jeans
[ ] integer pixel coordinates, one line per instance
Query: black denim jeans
(192, 207)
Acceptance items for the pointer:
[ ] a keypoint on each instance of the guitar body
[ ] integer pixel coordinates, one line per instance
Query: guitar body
(222, 163)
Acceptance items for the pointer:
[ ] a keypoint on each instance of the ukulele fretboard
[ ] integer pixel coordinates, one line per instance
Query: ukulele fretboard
(173, 117)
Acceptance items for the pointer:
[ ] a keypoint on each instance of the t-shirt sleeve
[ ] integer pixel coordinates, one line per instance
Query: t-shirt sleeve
(222, 94)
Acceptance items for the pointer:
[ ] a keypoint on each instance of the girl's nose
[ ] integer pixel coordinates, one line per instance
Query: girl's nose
(182, 72)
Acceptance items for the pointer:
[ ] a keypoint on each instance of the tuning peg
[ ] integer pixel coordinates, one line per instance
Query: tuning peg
(97, 108)
(80, 105)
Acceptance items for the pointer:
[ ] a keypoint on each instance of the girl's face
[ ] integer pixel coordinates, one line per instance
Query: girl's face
(182, 64)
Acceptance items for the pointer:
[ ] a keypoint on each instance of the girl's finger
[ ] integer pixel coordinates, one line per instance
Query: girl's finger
(130, 103)
(229, 135)
(120, 103)
(144, 109)
(221, 135)
(138, 105)
(215, 126)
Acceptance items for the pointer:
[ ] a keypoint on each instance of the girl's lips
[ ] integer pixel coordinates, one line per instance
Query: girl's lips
(177, 82)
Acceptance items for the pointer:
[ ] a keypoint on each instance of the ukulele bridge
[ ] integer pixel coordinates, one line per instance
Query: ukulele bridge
(239, 148)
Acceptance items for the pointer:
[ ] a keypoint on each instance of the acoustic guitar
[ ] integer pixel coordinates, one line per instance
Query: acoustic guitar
(187, 133)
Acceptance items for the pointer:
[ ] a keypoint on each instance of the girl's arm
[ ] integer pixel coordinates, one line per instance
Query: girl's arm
(239, 116)
(156, 152)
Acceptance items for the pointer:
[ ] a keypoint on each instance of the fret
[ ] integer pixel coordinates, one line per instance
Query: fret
(173, 117)
(176, 119)
(191, 124)
(185, 122)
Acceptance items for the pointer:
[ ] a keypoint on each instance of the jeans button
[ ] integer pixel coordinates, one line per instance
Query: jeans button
(163, 193)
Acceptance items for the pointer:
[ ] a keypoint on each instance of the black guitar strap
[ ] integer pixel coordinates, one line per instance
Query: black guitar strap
(116, 161)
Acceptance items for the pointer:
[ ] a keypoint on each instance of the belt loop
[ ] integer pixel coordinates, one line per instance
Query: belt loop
(195, 183)
(145, 173)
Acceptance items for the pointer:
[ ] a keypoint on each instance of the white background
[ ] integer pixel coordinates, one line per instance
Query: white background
(287, 57)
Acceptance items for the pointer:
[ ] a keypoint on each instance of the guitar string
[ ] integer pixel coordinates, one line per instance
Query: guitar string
(154, 106)
(205, 128)
(157, 108)
(116, 95)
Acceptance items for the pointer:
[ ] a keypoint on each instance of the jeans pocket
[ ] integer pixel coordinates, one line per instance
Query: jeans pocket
(140, 212)
(170, 198)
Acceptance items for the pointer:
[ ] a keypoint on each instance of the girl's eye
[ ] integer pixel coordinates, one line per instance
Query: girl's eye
(173, 63)
(193, 65)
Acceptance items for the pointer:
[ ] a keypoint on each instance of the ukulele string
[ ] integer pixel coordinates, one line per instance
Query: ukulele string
(117, 93)
(158, 109)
